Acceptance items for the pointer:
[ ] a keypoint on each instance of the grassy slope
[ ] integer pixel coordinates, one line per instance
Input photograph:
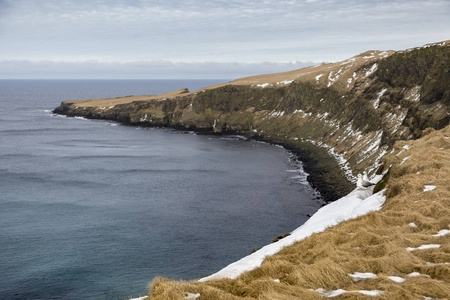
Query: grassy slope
(375, 242)
(358, 111)
(356, 108)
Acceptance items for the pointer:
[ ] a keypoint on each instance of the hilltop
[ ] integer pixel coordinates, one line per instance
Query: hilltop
(339, 118)
(386, 112)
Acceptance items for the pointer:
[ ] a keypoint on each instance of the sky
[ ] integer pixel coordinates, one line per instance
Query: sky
(204, 39)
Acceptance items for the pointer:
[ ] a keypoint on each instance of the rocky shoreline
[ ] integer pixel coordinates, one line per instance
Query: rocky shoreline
(315, 160)
(338, 127)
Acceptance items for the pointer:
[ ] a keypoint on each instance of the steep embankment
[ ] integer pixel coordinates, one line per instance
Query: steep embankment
(348, 113)
(375, 105)
(399, 252)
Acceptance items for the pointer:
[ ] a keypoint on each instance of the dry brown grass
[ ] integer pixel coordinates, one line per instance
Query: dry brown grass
(307, 74)
(107, 102)
(374, 243)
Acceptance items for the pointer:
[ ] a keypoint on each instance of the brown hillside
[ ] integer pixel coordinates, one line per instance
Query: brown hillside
(386, 243)
(371, 112)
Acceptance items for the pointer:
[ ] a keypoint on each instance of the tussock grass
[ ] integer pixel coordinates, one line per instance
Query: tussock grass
(374, 243)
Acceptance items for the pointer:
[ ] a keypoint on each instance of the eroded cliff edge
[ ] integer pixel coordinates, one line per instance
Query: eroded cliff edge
(348, 113)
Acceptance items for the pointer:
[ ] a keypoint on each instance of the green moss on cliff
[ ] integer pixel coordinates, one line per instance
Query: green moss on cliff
(232, 98)
(428, 67)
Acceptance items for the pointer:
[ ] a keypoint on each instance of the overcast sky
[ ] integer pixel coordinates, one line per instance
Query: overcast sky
(204, 38)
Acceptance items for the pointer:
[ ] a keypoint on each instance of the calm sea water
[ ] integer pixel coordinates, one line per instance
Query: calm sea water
(95, 210)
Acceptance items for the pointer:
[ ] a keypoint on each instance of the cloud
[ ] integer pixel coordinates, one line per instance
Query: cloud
(156, 69)
(221, 31)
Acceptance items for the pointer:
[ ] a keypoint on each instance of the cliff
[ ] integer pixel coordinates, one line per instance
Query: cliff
(381, 111)
(401, 251)
(346, 114)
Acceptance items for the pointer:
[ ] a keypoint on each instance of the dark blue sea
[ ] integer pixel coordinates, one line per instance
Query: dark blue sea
(95, 210)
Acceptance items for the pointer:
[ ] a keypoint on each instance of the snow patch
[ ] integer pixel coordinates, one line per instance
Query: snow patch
(263, 85)
(442, 232)
(191, 296)
(396, 120)
(338, 292)
(323, 116)
(376, 103)
(376, 144)
(413, 94)
(358, 276)
(397, 279)
(143, 118)
(343, 163)
(356, 203)
(412, 225)
(405, 159)
(318, 77)
(371, 293)
(285, 82)
(371, 70)
(413, 274)
(349, 81)
(276, 114)
(428, 188)
(382, 154)
(332, 77)
(331, 293)
(423, 247)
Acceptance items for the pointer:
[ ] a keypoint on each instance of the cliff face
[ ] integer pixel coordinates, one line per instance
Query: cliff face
(352, 111)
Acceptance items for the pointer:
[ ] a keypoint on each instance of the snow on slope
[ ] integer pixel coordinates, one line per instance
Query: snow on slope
(356, 203)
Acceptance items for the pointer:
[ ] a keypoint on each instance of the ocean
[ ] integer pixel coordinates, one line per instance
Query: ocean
(95, 210)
